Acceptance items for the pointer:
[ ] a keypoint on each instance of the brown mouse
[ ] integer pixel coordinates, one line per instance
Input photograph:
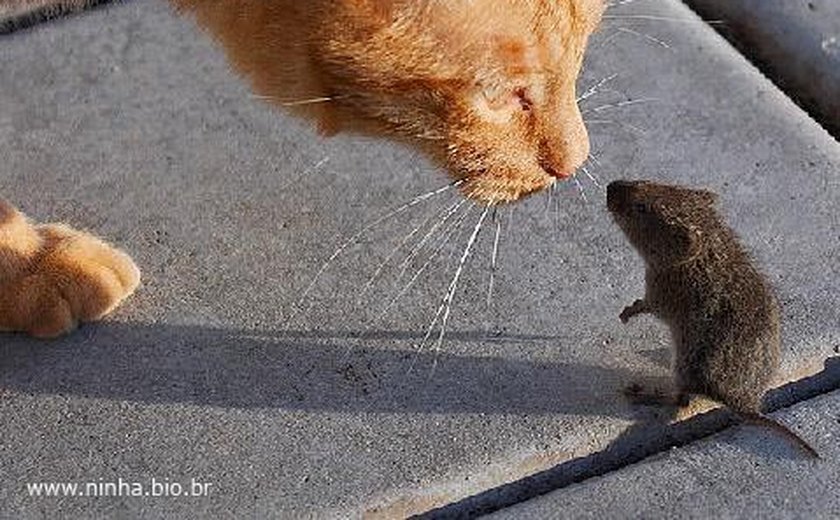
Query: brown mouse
(722, 313)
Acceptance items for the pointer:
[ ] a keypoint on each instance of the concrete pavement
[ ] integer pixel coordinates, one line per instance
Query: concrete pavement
(796, 43)
(126, 121)
(744, 472)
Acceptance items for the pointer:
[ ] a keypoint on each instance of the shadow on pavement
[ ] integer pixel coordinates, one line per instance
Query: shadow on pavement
(643, 439)
(341, 371)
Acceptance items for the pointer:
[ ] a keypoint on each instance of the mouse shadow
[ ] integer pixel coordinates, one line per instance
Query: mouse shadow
(311, 370)
(653, 434)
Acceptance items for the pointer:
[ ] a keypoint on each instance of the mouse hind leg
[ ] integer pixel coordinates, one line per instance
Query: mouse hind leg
(655, 395)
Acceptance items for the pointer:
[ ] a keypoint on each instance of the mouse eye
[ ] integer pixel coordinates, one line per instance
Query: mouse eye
(640, 207)
(525, 102)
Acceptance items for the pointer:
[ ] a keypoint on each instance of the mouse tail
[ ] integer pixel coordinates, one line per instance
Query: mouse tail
(763, 420)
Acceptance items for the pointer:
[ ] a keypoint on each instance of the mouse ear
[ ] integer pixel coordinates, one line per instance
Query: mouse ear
(685, 241)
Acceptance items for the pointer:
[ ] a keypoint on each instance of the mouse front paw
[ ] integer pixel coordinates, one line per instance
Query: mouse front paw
(638, 307)
(76, 278)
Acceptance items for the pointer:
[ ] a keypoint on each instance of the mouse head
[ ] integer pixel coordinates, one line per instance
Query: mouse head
(487, 87)
(663, 222)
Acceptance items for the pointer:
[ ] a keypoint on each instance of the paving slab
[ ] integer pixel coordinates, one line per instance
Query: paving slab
(18, 14)
(796, 43)
(744, 472)
(126, 121)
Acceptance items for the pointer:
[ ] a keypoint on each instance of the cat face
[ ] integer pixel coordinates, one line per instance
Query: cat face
(486, 87)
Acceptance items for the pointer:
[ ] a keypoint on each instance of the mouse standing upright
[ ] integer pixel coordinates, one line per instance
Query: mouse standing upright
(723, 316)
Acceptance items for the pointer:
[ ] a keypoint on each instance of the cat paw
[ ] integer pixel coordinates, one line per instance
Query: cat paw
(74, 278)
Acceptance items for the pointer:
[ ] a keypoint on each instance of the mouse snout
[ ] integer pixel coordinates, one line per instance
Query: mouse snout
(617, 192)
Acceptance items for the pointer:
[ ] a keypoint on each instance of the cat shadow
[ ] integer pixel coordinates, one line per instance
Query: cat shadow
(335, 371)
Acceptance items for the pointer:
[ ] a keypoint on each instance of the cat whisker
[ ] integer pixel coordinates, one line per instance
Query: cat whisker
(645, 36)
(453, 286)
(356, 237)
(419, 246)
(591, 91)
(435, 251)
(449, 234)
(618, 3)
(297, 102)
(581, 190)
(511, 211)
(620, 104)
(304, 173)
(655, 18)
(393, 253)
(549, 192)
(494, 256)
(592, 178)
(556, 207)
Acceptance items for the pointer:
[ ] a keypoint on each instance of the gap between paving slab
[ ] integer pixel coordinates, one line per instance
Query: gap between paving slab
(745, 472)
(796, 43)
(16, 15)
(635, 445)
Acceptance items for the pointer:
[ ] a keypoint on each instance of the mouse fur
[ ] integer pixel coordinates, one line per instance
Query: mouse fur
(699, 279)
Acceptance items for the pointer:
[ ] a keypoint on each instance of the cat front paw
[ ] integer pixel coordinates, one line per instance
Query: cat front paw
(75, 278)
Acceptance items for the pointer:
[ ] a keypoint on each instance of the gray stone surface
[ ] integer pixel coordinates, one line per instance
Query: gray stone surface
(18, 14)
(796, 42)
(127, 122)
(744, 472)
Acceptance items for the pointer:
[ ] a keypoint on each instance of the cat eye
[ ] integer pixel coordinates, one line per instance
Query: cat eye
(524, 101)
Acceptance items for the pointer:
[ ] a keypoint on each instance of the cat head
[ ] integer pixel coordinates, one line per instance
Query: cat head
(487, 87)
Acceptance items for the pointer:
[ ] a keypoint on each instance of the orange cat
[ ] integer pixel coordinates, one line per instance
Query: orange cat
(485, 87)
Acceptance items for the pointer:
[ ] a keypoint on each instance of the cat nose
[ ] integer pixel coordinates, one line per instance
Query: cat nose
(565, 148)
(561, 160)
(549, 169)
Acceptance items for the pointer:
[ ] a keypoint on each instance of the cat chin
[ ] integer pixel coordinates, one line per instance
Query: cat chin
(497, 188)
